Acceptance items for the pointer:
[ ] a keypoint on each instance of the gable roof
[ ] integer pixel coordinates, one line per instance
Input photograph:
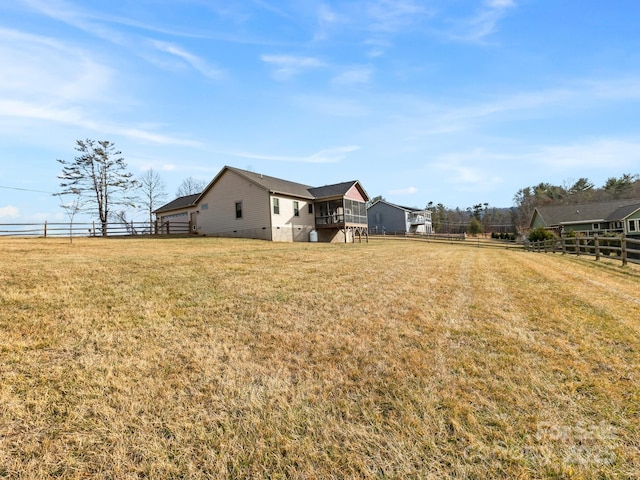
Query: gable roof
(273, 185)
(624, 212)
(336, 190)
(555, 215)
(180, 202)
(401, 207)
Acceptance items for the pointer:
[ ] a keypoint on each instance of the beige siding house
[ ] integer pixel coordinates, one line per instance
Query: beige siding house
(240, 203)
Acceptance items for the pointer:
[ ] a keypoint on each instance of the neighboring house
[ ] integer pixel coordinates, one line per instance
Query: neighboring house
(619, 216)
(386, 217)
(240, 203)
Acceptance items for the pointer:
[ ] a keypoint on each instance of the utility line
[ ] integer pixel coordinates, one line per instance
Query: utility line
(28, 190)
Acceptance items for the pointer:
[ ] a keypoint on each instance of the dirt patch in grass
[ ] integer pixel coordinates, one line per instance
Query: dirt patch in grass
(218, 358)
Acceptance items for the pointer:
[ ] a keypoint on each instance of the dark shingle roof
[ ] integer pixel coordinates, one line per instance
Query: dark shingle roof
(401, 207)
(334, 190)
(275, 185)
(623, 212)
(180, 202)
(587, 212)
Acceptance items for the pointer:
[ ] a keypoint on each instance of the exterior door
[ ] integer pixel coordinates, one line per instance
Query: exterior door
(194, 222)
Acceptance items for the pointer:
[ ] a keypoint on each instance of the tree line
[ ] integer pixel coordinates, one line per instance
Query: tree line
(581, 191)
(97, 182)
(483, 218)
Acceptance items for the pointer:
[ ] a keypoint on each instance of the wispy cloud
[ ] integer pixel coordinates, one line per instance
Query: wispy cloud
(333, 106)
(483, 24)
(327, 19)
(287, 66)
(392, 15)
(77, 117)
(271, 8)
(485, 169)
(620, 153)
(404, 191)
(105, 28)
(193, 60)
(48, 70)
(328, 155)
(353, 76)
(376, 47)
(420, 117)
(469, 169)
(150, 137)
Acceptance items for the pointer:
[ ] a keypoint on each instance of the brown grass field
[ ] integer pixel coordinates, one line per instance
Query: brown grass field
(219, 358)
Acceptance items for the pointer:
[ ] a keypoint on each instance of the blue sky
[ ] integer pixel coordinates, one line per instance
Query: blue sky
(453, 101)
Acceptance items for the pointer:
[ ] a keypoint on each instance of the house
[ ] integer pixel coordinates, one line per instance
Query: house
(619, 216)
(245, 204)
(384, 217)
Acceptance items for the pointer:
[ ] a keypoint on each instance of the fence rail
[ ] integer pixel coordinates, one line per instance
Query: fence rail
(625, 249)
(457, 238)
(93, 229)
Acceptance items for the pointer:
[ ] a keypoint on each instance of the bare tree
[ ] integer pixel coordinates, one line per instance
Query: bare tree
(99, 175)
(190, 186)
(153, 192)
(71, 207)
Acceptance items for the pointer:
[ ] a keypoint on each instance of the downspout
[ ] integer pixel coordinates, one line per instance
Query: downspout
(269, 211)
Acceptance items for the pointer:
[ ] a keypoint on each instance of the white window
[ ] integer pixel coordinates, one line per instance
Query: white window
(633, 225)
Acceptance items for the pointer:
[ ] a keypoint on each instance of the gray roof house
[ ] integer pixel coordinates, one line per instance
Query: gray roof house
(387, 217)
(617, 216)
(245, 204)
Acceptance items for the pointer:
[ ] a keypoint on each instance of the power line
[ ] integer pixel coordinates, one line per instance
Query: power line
(27, 190)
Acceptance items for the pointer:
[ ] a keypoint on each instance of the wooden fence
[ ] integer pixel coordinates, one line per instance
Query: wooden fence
(93, 229)
(625, 249)
(459, 238)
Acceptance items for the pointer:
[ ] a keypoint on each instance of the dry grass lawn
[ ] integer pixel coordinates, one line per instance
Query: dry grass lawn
(218, 358)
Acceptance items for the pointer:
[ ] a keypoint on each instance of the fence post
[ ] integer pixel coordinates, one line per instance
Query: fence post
(45, 229)
(623, 250)
(596, 245)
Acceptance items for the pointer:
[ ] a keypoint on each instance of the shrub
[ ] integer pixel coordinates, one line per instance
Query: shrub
(539, 234)
(475, 227)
